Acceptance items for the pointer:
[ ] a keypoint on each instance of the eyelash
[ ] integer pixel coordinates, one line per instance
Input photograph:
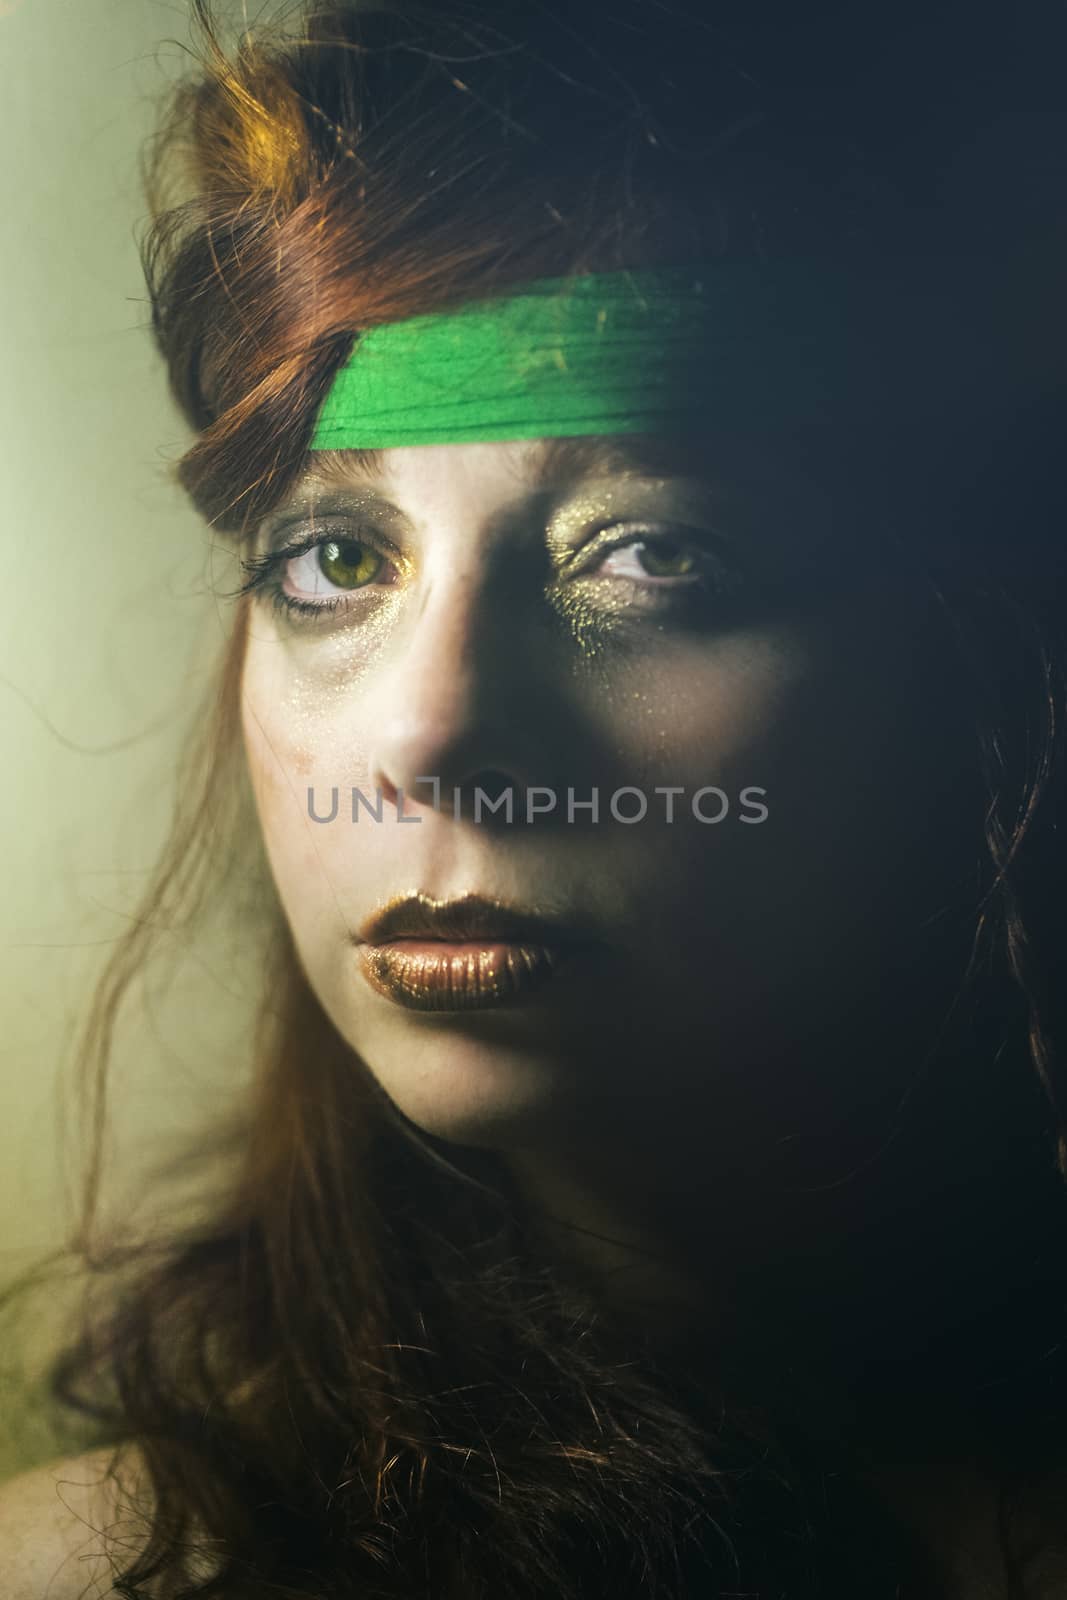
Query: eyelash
(710, 573)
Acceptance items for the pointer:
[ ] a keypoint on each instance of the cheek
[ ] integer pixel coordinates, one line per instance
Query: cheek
(714, 711)
(308, 701)
(827, 718)
(296, 753)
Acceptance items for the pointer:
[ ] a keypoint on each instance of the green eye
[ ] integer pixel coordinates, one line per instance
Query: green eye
(664, 558)
(347, 564)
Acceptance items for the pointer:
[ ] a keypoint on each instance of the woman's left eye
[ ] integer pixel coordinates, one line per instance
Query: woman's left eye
(653, 557)
(660, 562)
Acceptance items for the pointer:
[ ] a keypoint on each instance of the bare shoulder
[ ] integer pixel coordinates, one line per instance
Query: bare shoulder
(53, 1520)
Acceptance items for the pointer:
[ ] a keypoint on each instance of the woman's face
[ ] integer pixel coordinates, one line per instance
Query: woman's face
(579, 617)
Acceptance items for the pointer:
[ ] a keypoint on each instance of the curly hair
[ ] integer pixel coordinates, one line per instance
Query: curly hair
(359, 1377)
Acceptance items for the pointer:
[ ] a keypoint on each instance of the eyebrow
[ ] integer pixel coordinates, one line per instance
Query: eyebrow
(563, 461)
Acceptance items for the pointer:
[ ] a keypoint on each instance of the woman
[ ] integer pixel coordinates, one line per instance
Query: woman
(647, 667)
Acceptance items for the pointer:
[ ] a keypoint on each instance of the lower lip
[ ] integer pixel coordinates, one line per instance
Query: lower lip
(471, 975)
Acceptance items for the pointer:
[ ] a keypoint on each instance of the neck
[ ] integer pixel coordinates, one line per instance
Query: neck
(891, 1299)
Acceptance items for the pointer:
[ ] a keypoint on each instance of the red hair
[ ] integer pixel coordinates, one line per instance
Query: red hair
(358, 1377)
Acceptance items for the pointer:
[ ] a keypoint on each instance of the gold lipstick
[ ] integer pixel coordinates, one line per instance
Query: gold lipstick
(457, 977)
(463, 954)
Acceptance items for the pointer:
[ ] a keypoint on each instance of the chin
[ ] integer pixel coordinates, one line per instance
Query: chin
(473, 1093)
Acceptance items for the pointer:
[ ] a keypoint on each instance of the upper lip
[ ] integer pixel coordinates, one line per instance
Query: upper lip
(470, 916)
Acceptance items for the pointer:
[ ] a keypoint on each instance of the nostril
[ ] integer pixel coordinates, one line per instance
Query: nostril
(387, 789)
(493, 783)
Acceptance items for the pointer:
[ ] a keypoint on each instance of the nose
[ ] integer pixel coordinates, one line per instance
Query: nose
(462, 701)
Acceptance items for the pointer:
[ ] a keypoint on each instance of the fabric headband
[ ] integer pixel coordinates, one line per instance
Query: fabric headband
(648, 350)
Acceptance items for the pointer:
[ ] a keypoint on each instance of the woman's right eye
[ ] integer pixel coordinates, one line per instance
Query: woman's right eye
(310, 577)
(334, 564)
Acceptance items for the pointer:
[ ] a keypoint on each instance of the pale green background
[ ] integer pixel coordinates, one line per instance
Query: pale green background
(109, 620)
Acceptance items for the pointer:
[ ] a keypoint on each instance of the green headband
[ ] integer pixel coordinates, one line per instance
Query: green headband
(609, 352)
